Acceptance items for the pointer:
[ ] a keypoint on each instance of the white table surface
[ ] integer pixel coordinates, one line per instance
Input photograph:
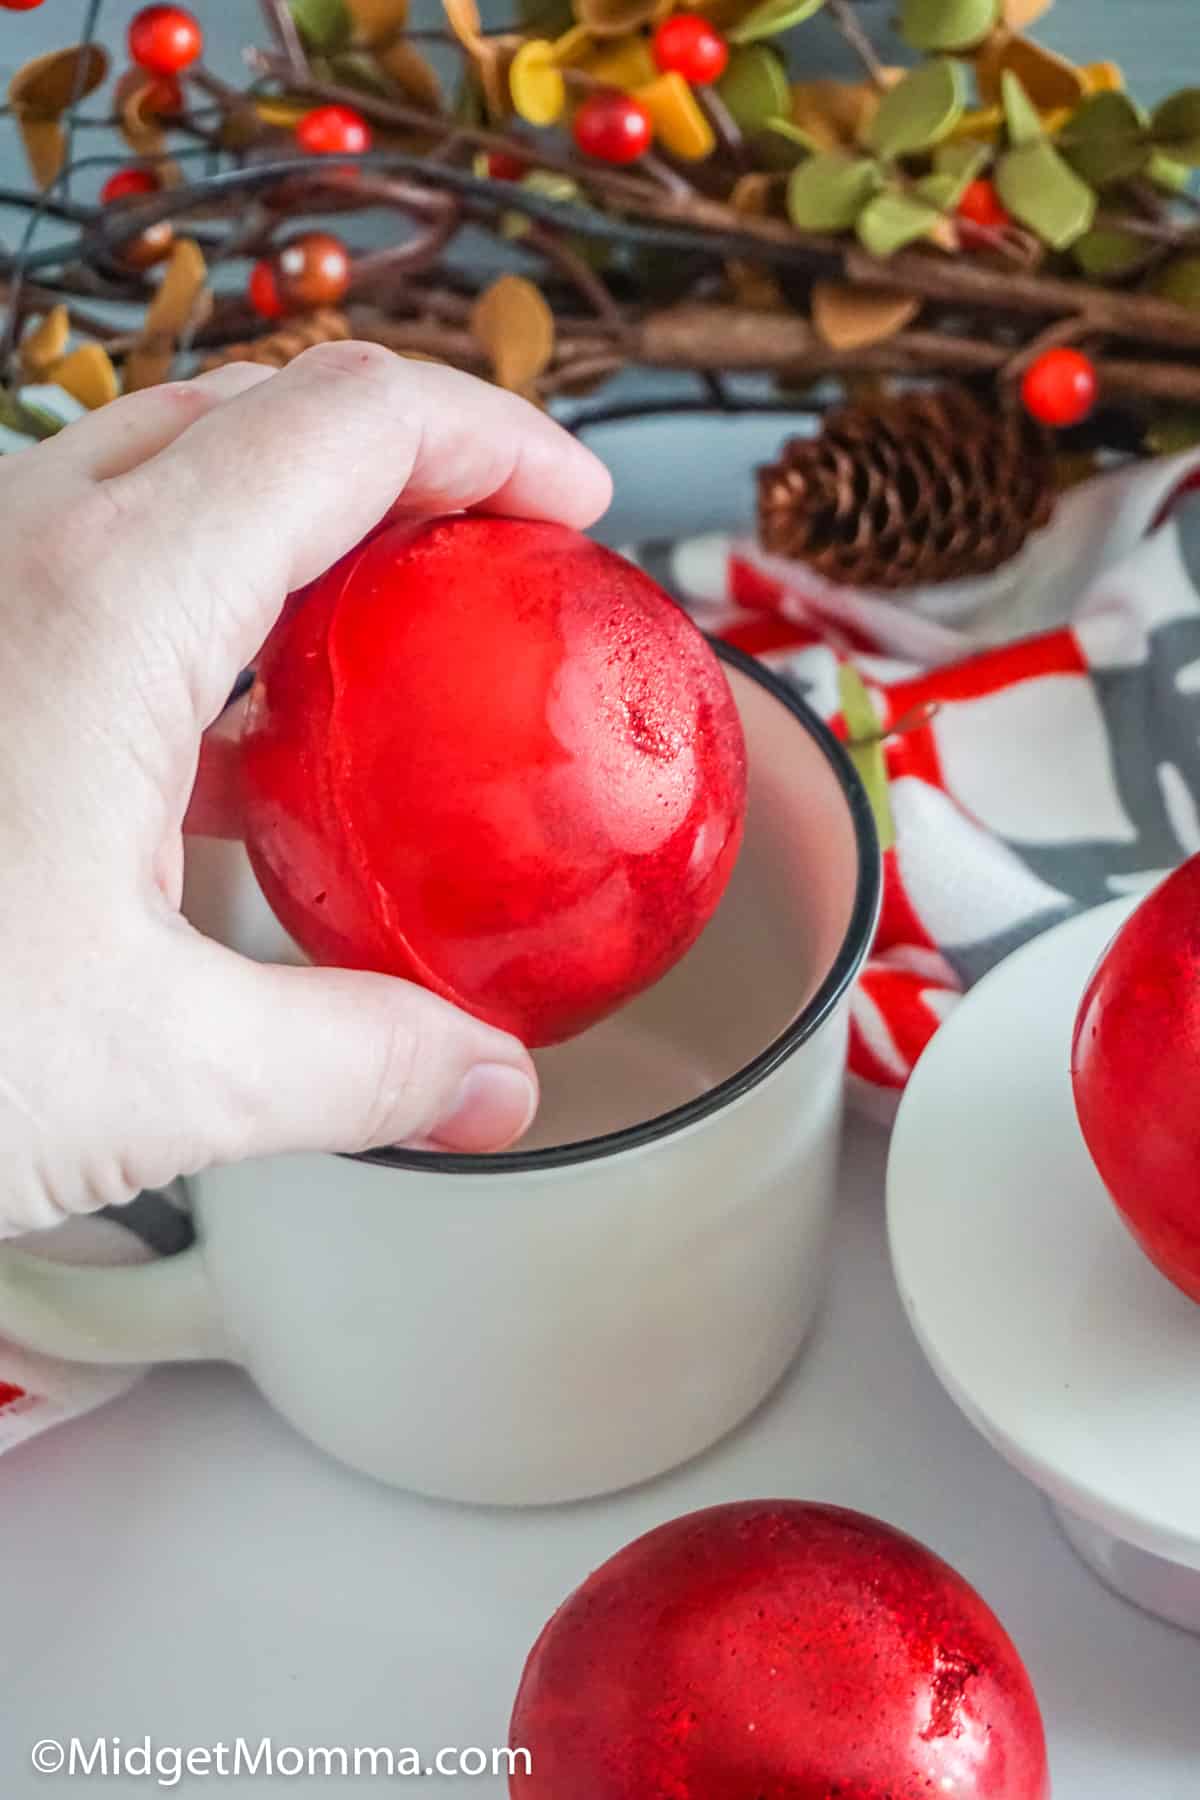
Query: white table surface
(182, 1564)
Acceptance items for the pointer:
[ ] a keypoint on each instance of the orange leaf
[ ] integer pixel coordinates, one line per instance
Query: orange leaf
(377, 21)
(46, 344)
(45, 144)
(47, 85)
(416, 78)
(88, 376)
(514, 325)
(463, 18)
(853, 318)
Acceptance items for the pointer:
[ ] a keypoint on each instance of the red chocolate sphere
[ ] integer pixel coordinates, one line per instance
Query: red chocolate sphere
(1136, 1073)
(493, 757)
(777, 1650)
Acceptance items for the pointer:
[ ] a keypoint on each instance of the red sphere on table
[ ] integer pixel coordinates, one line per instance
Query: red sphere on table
(687, 44)
(777, 1650)
(1135, 1067)
(1060, 388)
(125, 184)
(613, 127)
(981, 205)
(165, 39)
(493, 757)
(334, 131)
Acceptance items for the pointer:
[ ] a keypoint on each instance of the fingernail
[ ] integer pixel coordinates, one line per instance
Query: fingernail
(492, 1108)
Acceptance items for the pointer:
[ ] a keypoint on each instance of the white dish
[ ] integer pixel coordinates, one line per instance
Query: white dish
(1054, 1333)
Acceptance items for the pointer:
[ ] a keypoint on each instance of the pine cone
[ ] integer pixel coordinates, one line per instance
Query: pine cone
(915, 488)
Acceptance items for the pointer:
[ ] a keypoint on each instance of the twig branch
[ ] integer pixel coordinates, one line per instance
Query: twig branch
(850, 25)
(283, 27)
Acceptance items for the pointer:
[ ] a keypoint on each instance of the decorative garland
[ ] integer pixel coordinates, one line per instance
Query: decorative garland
(666, 192)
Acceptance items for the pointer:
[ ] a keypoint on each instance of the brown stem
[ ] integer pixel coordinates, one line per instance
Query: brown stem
(849, 24)
(570, 264)
(283, 27)
(420, 252)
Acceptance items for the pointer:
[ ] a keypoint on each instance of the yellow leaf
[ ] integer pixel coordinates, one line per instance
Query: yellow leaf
(46, 344)
(173, 307)
(680, 124)
(1019, 15)
(88, 376)
(273, 110)
(538, 90)
(627, 63)
(573, 47)
(515, 327)
(376, 21)
(45, 144)
(853, 318)
(983, 122)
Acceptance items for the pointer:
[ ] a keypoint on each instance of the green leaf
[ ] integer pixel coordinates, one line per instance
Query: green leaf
(27, 417)
(948, 24)
(921, 110)
(1107, 253)
(784, 128)
(1044, 193)
(1175, 432)
(955, 167)
(755, 86)
(1163, 170)
(1180, 282)
(1175, 126)
(358, 69)
(827, 193)
(1107, 140)
(1021, 115)
(324, 25)
(895, 219)
(772, 17)
(865, 745)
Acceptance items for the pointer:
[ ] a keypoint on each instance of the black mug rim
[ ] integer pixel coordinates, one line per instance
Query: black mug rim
(855, 944)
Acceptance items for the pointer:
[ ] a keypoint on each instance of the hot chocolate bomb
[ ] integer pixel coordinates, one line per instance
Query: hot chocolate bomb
(494, 758)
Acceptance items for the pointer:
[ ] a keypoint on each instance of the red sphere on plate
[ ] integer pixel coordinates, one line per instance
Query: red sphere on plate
(1135, 1067)
(777, 1650)
(164, 39)
(1060, 388)
(333, 131)
(687, 44)
(126, 183)
(493, 757)
(613, 127)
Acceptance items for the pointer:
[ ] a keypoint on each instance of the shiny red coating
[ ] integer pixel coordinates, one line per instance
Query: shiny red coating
(777, 1650)
(494, 757)
(1135, 1067)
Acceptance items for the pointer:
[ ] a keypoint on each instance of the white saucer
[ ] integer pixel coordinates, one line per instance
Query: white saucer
(1053, 1332)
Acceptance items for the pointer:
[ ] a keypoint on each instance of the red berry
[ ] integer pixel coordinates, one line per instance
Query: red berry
(20, 6)
(128, 182)
(613, 127)
(502, 166)
(263, 291)
(164, 98)
(982, 205)
(1060, 388)
(688, 45)
(164, 39)
(311, 270)
(334, 131)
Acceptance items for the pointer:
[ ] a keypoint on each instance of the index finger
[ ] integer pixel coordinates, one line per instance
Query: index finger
(266, 491)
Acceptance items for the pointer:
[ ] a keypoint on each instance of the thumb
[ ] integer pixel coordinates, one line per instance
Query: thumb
(328, 1059)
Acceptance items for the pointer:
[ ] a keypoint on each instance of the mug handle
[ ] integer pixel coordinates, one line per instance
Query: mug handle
(162, 1311)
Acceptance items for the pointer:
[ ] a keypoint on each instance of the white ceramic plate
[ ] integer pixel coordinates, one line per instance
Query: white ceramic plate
(1041, 1316)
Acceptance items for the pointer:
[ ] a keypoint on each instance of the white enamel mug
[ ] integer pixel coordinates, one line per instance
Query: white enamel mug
(607, 1300)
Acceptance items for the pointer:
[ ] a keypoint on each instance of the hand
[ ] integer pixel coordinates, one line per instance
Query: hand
(148, 550)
